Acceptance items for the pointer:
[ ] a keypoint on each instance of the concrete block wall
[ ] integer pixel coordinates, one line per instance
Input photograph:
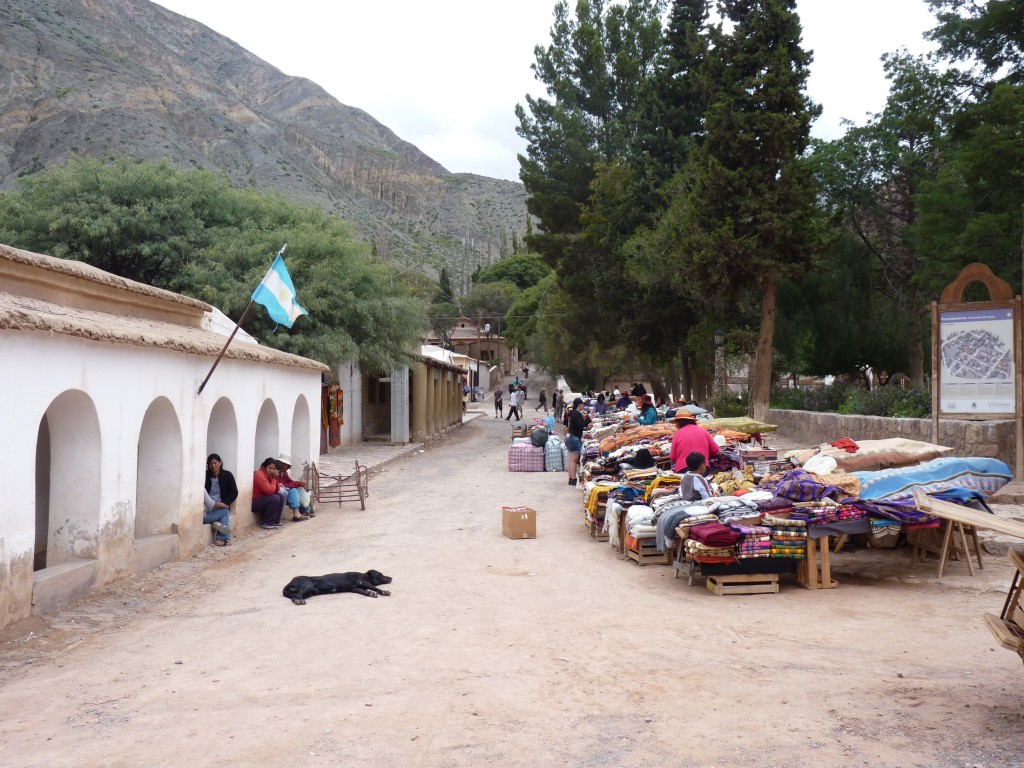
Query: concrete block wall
(991, 439)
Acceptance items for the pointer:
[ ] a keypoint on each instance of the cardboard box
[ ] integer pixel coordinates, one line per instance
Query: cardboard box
(519, 522)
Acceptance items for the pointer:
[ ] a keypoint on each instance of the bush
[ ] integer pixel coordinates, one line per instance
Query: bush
(841, 397)
(823, 399)
(728, 405)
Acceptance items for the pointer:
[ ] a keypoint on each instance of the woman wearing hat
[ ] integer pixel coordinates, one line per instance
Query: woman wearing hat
(292, 488)
(578, 422)
(689, 438)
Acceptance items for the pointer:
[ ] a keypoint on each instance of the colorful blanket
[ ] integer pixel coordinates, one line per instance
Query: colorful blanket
(972, 473)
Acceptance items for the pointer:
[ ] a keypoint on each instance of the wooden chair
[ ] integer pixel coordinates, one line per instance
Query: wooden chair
(341, 488)
(1008, 627)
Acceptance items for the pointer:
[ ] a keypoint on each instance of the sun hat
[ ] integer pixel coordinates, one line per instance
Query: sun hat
(284, 458)
(683, 415)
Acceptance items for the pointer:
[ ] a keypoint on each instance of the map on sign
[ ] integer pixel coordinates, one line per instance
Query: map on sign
(977, 361)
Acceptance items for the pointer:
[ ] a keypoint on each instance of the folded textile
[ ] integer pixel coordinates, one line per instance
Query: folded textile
(973, 473)
(714, 534)
(703, 550)
(771, 520)
(798, 485)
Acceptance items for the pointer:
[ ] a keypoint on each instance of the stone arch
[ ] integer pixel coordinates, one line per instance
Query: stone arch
(67, 481)
(301, 436)
(268, 434)
(222, 434)
(158, 480)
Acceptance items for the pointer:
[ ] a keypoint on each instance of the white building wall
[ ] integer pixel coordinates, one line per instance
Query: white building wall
(121, 381)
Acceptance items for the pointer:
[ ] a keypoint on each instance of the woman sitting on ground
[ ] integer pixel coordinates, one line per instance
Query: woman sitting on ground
(221, 492)
(648, 413)
(267, 501)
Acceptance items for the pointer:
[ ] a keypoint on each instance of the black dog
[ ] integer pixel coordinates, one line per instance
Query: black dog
(301, 587)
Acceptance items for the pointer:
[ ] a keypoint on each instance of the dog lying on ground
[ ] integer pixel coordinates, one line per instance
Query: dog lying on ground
(301, 587)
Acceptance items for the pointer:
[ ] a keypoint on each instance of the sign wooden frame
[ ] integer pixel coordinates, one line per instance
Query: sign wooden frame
(1000, 297)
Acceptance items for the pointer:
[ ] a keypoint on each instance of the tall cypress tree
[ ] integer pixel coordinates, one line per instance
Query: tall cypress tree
(745, 214)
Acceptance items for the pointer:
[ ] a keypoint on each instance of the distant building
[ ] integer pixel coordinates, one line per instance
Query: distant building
(473, 339)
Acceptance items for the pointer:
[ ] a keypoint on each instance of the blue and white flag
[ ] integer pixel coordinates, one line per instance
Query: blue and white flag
(277, 294)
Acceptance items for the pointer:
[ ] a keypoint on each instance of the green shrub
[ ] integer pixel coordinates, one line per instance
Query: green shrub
(727, 406)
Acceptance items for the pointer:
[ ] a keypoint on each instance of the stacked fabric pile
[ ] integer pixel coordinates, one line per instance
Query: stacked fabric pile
(712, 542)
(789, 537)
(826, 512)
(756, 541)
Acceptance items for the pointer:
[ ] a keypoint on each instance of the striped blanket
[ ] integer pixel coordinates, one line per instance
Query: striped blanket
(972, 473)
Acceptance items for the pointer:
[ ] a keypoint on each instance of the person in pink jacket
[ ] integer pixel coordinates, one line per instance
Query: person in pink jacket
(689, 438)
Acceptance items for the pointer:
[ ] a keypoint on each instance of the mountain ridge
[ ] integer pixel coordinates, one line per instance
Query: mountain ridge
(105, 77)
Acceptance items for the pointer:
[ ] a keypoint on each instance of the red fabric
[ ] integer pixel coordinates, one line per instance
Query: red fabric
(847, 445)
(714, 535)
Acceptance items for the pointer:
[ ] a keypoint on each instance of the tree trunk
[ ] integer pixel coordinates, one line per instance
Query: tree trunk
(686, 384)
(916, 351)
(760, 397)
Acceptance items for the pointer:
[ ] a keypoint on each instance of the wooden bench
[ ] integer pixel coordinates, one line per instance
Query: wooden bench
(1008, 626)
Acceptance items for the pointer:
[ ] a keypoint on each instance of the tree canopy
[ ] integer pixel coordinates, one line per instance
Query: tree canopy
(191, 232)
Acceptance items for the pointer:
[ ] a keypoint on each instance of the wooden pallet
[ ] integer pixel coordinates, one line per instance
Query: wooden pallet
(594, 528)
(648, 555)
(744, 584)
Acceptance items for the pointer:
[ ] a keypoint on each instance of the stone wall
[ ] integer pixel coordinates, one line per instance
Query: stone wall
(994, 439)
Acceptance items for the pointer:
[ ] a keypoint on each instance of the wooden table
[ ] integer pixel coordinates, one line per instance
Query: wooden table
(958, 517)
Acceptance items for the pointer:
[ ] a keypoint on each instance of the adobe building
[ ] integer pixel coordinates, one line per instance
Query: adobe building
(105, 439)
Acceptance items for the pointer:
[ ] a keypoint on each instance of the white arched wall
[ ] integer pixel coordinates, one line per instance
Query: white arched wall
(71, 498)
(301, 436)
(158, 488)
(222, 435)
(268, 434)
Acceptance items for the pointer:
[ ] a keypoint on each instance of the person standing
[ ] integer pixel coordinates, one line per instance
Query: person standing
(577, 423)
(558, 404)
(267, 501)
(499, 394)
(542, 400)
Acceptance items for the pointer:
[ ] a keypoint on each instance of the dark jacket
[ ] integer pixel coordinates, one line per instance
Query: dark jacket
(228, 488)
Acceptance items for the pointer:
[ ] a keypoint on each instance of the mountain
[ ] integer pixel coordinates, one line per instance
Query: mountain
(107, 77)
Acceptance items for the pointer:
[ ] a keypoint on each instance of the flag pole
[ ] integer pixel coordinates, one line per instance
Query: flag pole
(226, 344)
(232, 336)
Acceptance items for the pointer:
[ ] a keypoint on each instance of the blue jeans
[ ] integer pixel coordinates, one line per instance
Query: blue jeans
(219, 516)
(293, 501)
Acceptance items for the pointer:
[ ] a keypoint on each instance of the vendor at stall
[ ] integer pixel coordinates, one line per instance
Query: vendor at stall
(576, 423)
(689, 438)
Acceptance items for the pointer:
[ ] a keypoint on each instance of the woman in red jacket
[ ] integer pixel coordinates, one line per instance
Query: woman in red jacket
(267, 501)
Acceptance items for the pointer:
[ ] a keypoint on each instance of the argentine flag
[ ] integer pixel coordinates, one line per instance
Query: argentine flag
(277, 294)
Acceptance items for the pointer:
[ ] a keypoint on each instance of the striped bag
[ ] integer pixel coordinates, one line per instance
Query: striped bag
(554, 460)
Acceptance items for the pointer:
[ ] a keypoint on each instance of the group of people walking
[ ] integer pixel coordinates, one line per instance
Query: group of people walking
(273, 490)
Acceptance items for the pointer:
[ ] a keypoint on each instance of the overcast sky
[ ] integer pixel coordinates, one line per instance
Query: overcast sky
(446, 75)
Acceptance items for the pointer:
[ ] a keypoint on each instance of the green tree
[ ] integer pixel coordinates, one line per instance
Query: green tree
(745, 213)
(489, 302)
(594, 72)
(524, 271)
(189, 231)
(871, 178)
(989, 33)
(444, 290)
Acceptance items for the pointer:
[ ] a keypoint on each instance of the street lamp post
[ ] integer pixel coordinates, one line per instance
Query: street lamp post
(721, 382)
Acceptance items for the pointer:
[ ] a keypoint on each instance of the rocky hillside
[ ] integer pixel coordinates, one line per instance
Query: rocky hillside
(107, 77)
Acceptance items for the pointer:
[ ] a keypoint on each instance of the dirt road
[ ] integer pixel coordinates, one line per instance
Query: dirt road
(550, 652)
